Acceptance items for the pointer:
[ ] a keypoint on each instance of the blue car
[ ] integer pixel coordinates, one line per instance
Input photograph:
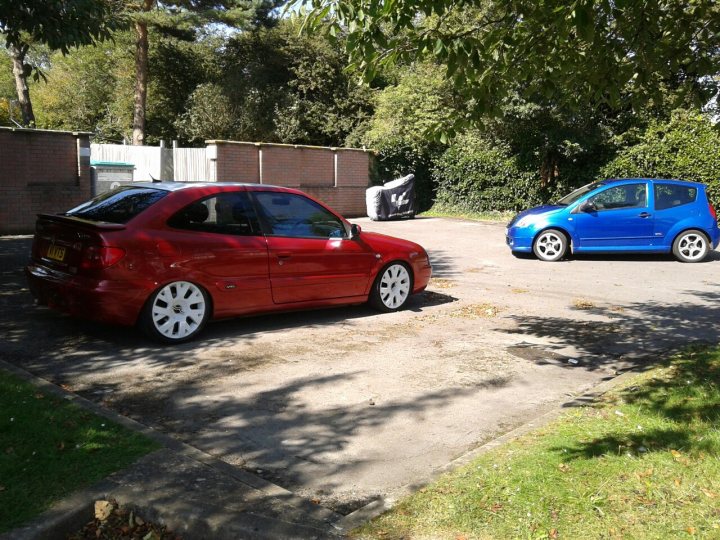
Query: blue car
(620, 216)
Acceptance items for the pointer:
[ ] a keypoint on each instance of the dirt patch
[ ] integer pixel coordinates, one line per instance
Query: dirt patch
(113, 522)
(476, 311)
(580, 303)
(439, 283)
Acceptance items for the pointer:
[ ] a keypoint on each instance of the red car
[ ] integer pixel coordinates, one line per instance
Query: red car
(171, 256)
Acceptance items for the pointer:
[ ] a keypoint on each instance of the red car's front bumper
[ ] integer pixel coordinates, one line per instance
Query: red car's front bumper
(96, 299)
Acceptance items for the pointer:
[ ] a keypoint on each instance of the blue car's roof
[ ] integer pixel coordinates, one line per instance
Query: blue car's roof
(664, 180)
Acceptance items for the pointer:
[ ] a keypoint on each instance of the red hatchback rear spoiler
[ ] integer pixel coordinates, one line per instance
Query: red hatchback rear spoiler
(102, 225)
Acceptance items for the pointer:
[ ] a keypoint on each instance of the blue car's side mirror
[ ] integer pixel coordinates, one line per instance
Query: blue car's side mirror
(587, 206)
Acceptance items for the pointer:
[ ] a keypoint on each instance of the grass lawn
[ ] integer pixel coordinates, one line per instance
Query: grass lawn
(49, 448)
(440, 211)
(644, 462)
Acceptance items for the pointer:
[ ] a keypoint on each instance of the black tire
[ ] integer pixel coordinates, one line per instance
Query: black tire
(550, 245)
(392, 287)
(176, 312)
(691, 246)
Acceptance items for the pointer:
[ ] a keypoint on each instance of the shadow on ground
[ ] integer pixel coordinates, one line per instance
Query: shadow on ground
(637, 331)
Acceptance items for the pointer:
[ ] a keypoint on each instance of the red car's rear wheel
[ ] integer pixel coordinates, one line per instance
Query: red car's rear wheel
(176, 312)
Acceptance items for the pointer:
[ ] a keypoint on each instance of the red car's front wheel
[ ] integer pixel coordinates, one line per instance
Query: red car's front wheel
(392, 287)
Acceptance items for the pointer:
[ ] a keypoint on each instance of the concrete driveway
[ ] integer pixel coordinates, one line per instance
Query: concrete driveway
(345, 405)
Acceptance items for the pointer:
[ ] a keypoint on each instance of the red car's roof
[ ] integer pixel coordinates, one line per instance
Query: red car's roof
(175, 186)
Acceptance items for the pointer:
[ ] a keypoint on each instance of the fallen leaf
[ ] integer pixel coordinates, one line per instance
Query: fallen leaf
(315, 501)
(709, 494)
(553, 533)
(690, 530)
(677, 456)
(496, 507)
(103, 509)
(677, 482)
(564, 467)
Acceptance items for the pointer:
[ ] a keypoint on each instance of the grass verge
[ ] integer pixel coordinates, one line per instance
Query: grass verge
(50, 448)
(441, 211)
(643, 462)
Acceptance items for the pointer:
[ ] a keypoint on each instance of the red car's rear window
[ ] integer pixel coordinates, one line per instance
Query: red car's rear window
(118, 206)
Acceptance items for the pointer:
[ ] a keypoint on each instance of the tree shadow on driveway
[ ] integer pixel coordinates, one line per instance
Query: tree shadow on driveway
(640, 331)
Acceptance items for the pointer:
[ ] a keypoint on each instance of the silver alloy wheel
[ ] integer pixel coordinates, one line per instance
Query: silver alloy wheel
(692, 246)
(550, 246)
(394, 286)
(178, 310)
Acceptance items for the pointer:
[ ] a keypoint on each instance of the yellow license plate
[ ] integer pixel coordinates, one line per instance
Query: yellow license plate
(56, 253)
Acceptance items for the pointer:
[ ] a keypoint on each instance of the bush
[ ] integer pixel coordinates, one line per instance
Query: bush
(687, 147)
(475, 176)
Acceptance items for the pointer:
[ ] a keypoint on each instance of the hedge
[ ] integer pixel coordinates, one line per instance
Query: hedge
(687, 147)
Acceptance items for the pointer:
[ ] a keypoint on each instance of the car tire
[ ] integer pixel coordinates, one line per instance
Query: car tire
(550, 245)
(691, 246)
(176, 312)
(392, 287)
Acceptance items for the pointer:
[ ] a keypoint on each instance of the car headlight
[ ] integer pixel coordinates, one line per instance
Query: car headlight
(525, 221)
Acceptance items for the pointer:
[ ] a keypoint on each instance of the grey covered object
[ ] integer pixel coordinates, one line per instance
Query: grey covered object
(394, 200)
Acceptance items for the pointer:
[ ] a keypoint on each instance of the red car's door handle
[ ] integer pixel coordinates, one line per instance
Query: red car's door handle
(283, 255)
(644, 214)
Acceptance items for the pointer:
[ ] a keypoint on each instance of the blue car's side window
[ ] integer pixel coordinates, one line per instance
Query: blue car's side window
(672, 195)
(625, 196)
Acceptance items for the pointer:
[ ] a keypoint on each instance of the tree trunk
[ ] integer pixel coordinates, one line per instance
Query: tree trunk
(17, 53)
(549, 169)
(141, 78)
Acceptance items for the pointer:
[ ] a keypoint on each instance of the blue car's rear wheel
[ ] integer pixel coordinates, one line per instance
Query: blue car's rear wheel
(550, 245)
(691, 246)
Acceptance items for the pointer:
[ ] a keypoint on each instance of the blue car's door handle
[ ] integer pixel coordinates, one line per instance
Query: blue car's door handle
(644, 214)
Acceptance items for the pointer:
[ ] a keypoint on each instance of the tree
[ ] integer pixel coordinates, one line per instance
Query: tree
(580, 51)
(421, 100)
(89, 89)
(178, 16)
(59, 24)
(274, 85)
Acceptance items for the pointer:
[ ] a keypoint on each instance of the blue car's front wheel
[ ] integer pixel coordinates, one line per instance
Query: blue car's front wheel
(550, 245)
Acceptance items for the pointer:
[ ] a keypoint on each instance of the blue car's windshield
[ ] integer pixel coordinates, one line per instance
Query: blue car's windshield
(575, 195)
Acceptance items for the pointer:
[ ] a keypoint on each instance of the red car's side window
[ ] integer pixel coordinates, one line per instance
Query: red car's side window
(295, 216)
(225, 213)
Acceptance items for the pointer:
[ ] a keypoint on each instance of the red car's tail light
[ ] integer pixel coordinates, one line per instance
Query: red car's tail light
(712, 211)
(99, 257)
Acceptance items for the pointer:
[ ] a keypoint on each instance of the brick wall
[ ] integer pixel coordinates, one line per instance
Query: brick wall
(336, 176)
(40, 172)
